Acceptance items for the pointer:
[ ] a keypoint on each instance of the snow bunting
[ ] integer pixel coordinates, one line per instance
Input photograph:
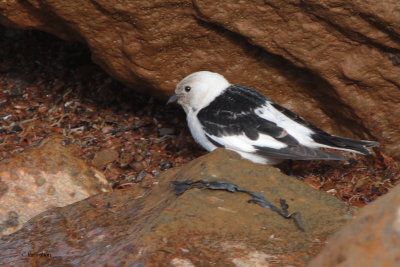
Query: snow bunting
(239, 118)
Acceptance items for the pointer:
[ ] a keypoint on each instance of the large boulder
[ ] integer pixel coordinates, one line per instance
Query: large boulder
(372, 239)
(154, 227)
(44, 177)
(335, 63)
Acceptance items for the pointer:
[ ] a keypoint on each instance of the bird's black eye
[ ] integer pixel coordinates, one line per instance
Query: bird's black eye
(187, 88)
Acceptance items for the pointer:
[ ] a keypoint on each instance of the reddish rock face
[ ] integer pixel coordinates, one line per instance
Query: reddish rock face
(154, 227)
(372, 239)
(335, 63)
(43, 178)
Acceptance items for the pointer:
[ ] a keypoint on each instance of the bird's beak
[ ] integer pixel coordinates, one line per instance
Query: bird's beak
(173, 99)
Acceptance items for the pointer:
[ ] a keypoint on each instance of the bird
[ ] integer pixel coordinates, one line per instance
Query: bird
(241, 119)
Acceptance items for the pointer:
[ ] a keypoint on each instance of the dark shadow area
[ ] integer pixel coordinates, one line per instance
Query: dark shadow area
(26, 54)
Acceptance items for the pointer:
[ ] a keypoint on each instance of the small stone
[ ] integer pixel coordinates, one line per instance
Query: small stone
(12, 220)
(179, 262)
(110, 119)
(130, 178)
(51, 190)
(16, 128)
(16, 90)
(43, 109)
(106, 129)
(95, 202)
(104, 157)
(87, 113)
(137, 166)
(169, 147)
(40, 181)
(165, 165)
(64, 142)
(140, 176)
(125, 159)
(6, 117)
(139, 158)
(166, 131)
(184, 250)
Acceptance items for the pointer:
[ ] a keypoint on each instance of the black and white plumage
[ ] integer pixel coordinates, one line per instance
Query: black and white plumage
(241, 119)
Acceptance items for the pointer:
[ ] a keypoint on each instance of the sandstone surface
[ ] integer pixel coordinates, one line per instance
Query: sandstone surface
(372, 239)
(154, 227)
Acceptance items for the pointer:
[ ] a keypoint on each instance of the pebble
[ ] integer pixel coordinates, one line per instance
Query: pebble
(130, 178)
(6, 117)
(166, 131)
(16, 128)
(165, 165)
(104, 157)
(125, 159)
(140, 176)
(137, 166)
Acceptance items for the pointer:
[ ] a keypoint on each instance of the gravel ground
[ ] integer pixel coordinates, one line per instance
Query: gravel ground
(49, 86)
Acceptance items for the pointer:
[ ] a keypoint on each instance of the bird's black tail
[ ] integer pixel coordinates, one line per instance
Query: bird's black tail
(342, 143)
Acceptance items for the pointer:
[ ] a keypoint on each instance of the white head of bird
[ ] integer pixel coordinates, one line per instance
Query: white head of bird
(198, 89)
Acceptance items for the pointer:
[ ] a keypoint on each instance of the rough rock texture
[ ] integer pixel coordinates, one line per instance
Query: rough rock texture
(43, 178)
(372, 239)
(336, 63)
(198, 228)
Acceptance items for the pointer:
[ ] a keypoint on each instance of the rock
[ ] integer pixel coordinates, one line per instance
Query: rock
(125, 158)
(102, 158)
(43, 178)
(334, 63)
(154, 227)
(140, 176)
(165, 165)
(165, 131)
(137, 166)
(371, 239)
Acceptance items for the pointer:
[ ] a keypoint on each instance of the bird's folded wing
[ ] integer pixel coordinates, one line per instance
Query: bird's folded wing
(247, 132)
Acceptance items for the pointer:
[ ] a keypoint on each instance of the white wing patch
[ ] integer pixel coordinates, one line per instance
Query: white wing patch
(301, 133)
(245, 144)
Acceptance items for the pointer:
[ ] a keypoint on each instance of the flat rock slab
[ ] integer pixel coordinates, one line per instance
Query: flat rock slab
(42, 178)
(199, 228)
(372, 239)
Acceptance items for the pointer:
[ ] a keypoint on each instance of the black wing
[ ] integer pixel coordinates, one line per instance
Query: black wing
(232, 113)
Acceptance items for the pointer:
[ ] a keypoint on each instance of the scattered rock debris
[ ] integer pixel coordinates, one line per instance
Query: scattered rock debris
(357, 182)
(51, 86)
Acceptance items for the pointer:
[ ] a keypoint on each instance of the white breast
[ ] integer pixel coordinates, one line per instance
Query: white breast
(197, 132)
